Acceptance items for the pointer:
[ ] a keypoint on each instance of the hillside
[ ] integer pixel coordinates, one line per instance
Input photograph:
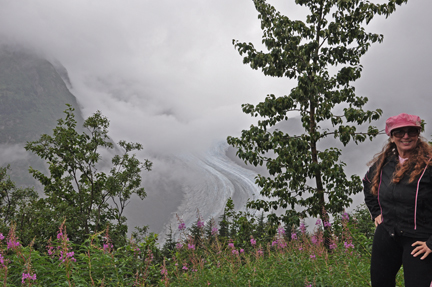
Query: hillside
(32, 96)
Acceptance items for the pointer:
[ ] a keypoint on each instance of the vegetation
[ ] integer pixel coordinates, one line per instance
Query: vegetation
(76, 188)
(323, 55)
(299, 259)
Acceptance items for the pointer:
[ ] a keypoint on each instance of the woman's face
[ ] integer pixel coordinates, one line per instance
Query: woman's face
(405, 139)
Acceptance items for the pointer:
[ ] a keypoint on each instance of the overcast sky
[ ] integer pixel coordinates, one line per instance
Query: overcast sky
(166, 74)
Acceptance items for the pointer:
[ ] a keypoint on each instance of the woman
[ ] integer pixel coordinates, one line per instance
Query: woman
(398, 193)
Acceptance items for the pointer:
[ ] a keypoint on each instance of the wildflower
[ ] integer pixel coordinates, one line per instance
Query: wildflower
(235, 252)
(179, 245)
(260, 252)
(302, 227)
(108, 247)
(182, 226)
(333, 245)
(241, 250)
(253, 242)
(314, 239)
(327, 224)
(164, 271)
(27, 275)
(281, 231)
(282, 245)
(191, 246)
(184, 267)
(231, 245)
(214, 231)
(318, 222)
(274, 243)
(200, 224)
(2, 236)
(312, 256)
(345, 216)
(294, 236)
(348, 245)
(12, 244)
(2, 260)
(300, 248)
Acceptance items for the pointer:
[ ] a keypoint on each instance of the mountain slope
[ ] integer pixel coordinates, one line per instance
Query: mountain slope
(33, 96)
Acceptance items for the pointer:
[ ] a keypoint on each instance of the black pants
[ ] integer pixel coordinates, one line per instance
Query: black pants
(389, 253)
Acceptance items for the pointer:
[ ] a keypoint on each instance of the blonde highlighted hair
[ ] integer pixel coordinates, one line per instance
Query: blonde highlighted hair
(414, 165)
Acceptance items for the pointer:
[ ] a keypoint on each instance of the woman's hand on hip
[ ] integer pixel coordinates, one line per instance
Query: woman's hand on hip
(420, 249)
(378, 220)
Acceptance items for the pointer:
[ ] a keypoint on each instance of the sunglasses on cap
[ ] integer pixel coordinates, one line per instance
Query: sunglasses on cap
(400, 133)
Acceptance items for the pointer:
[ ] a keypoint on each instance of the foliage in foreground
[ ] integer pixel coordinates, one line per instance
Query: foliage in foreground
(297, 259)
(82, 185)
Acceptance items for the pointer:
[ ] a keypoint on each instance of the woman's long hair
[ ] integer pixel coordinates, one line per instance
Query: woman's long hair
(419, 157)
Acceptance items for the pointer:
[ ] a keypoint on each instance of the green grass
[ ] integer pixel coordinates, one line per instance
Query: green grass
(302, 260)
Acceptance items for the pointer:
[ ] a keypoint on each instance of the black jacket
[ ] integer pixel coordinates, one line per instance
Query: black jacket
(406, 208)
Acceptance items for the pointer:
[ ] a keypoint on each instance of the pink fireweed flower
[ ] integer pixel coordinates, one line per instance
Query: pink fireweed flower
(234, 252)
(312, 256)
(293, 236)
(333, 245)
(164, 271)
(253, 242)
(200, 224)
(241, 250)
(214, 231)
(231, 245)
(108, 247)
(282, 245)
(191, 246)
(318, 222)
(314, 239)
(185, 267)
(302, 227)
(182, 226)
(179, 245)
(327, 224)
(345, 216)
(2, 236)
(2, 260)
(12, 244)
(281, 231)
(348, 245)
(27, 276)
(260, 252)
(274, 243)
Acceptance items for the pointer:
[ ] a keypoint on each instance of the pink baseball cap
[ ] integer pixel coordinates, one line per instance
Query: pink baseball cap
(402, 120)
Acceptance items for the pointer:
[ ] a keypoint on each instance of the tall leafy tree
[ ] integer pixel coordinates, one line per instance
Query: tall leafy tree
(303, 174)
(76, 188)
